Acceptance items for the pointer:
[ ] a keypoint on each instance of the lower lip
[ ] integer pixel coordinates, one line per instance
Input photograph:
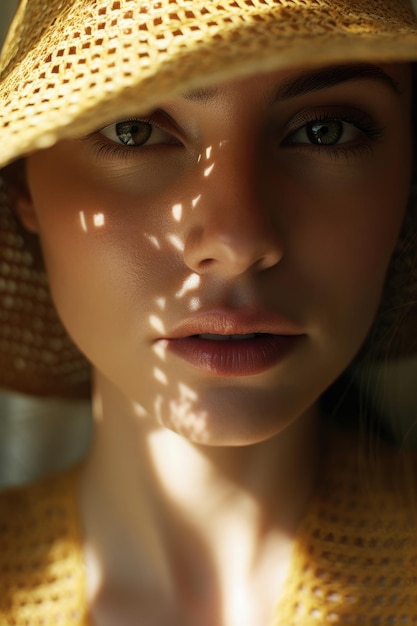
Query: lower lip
(245, 357)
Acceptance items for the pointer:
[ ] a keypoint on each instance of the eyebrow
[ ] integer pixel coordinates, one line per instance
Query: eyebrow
(331, 76)
(202, 95)
(310, 81)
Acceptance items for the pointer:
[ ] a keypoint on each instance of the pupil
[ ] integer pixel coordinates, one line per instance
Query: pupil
(133, 133)
(325, 133)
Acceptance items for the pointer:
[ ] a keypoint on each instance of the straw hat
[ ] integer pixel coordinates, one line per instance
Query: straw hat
(70, 65)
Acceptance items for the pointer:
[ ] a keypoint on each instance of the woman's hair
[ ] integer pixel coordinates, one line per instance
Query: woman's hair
(354, 400)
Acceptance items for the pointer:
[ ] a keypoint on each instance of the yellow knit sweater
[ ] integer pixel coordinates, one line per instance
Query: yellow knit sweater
(354, 559)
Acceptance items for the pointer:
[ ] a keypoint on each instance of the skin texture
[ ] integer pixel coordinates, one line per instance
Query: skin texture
(306, 234)
(229, 207)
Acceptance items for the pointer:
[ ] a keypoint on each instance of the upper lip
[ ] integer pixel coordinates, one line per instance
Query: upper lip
(235, 322)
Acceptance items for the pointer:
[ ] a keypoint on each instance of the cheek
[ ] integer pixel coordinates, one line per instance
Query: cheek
(341, 222)
(101, 250)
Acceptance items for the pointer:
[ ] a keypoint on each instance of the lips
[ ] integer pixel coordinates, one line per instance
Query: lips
(242, 343)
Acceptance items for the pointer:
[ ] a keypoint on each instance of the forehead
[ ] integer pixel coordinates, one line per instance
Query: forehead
(301, 81)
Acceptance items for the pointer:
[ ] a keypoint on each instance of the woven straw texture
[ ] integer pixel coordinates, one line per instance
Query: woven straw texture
(36, 355)
(69, 66)
(354, 561)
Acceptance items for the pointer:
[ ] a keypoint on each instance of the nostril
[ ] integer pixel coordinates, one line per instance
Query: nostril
(205, 264)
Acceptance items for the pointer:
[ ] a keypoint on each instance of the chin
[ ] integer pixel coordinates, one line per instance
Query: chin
(229, 422)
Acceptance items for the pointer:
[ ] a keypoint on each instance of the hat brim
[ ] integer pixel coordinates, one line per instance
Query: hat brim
(80, 70)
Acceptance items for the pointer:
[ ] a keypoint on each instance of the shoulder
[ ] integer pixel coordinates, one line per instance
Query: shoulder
(37, 515)
(356, 553)
(358, 544)
(40, 549)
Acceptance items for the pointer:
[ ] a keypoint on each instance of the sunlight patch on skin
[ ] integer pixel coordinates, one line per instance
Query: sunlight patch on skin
(157, 324)
(208, 152)
(99, 220)
(183, 413)
(176, 242)
(97, 407)
(195, 304)
(154, 241)
(159, 350)
(186, 393)
(195, 201)
(161, 303)
(83, 221)
(200, 156)
(189, 284)
(160, 376)
(95, 577)
(139, 410)
(208, 170)
(158, 408)
(177, 212)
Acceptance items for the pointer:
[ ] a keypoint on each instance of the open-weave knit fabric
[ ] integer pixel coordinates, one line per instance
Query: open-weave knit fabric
(354, 560)
(69, 66)
(41, 565)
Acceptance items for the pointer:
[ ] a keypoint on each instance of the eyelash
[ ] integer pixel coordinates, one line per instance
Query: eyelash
(110, 150)
(357, 119)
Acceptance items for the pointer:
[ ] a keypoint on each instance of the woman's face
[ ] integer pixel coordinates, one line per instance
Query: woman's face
(220, 260)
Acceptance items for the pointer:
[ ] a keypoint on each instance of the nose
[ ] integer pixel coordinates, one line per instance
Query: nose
(232, 229)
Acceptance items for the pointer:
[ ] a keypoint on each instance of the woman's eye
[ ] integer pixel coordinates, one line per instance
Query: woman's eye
(325, 133)
(136, 133)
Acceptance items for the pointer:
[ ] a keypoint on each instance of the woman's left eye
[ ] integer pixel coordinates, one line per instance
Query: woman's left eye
(325, 133)
(136, 133)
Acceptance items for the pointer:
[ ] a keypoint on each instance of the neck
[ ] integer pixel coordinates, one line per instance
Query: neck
(164, 502)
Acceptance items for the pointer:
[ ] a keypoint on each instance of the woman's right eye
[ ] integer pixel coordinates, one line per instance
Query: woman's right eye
(137, 133)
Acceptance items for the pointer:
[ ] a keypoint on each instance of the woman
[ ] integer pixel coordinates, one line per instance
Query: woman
(219, 193)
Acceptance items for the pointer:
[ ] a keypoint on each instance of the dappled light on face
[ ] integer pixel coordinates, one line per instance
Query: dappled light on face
(181, 414)
(176, 242)
(161, 303)
(190, 284)
(208, 170)
(208, 155)
(159, 350)
(153, 240)
(160, 376)
(184, 414)
(83, 221)
(139, 410)
(195, 304)
(177, 212)
(98, 220)
(157, 324)
(195, 201)
(171, 399)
